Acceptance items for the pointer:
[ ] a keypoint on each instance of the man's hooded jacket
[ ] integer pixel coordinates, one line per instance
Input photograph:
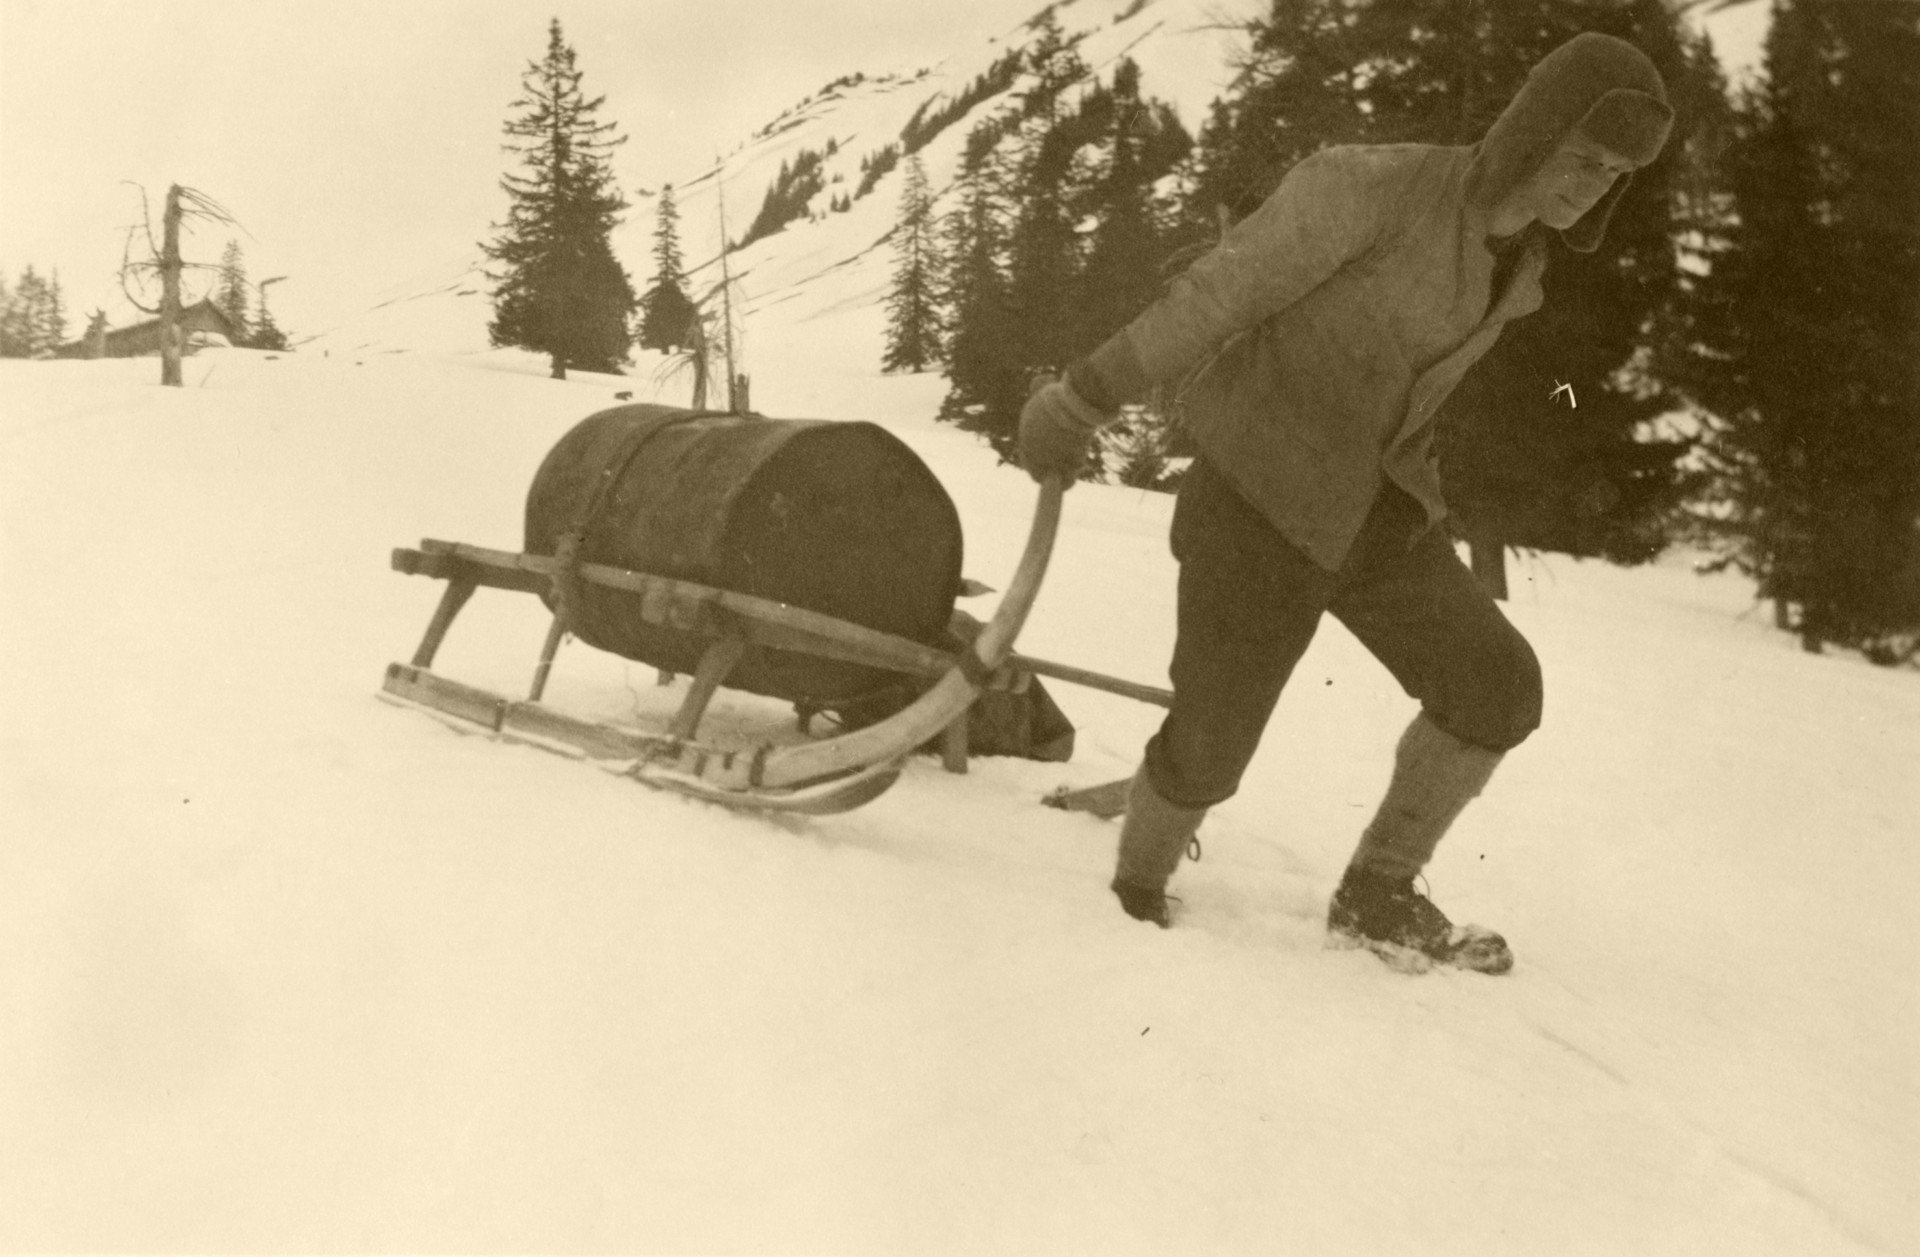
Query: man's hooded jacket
(1314, 344)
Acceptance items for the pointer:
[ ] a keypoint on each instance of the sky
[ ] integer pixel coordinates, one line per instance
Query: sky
(357, 143)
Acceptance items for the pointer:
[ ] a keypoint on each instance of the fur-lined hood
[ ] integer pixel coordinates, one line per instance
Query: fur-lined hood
(1603, 88)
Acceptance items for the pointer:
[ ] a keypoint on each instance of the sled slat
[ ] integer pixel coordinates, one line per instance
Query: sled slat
(626, 751)
(535, 723)
(524, 721)
(465, 701)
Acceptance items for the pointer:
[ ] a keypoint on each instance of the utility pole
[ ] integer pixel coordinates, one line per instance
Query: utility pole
(734, 406)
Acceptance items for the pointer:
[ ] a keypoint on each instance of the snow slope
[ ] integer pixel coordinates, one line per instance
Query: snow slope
(283, 966)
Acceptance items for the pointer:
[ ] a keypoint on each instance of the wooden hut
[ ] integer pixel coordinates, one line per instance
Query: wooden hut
(141, 339)
(92, 343)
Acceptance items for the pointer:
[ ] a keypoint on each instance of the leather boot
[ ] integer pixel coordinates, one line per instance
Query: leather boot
(1435, 776)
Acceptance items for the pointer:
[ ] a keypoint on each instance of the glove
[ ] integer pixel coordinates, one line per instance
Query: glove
(1056, 432)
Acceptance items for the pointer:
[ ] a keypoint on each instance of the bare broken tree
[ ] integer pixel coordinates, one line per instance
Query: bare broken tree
(163, 262)
(693, 356)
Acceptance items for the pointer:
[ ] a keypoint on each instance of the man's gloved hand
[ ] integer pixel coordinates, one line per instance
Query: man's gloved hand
(1056, 431)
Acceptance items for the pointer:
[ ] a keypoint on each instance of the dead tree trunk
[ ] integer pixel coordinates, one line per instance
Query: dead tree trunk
(697, 355)
(170, 268)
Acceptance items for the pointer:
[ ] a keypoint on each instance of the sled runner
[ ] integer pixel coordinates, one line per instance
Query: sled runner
(736, 550)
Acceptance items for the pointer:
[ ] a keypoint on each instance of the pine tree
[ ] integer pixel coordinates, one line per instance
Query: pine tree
(13, 340)
(986, 377)
(667, 262)
(1808, 329)
(29, 299)
(230, 291)
(562, 293)
(1013, 251)
(913, 314)
(50, 322)
(1043, 249)
(33, 316)
(668, 314)
(790, 196)
(267, 334)
(1124, 249)
(1293, 93)
(1056, 240)
(1128, 249)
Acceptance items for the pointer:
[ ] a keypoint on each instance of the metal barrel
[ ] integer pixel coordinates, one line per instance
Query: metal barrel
(841, 518)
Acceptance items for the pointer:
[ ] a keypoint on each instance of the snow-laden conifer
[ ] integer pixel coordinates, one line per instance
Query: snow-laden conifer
(913, 304)
(561, 291)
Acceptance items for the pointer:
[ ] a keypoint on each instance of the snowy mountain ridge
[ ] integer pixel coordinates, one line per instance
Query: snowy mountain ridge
(824, 259)
(1184, 49)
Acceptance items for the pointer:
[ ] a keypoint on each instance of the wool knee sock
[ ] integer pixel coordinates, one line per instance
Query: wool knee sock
(1435, 776)
(1154, 835)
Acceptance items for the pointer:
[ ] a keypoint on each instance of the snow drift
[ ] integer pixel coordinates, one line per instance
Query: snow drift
(285, 966)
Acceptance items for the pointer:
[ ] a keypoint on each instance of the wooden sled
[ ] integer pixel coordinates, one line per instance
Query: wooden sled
(821, 776)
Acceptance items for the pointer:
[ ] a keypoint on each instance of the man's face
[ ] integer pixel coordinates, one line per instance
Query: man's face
(1570, 182)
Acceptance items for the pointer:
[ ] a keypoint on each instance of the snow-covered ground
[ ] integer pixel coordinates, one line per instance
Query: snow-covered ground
(284, 966)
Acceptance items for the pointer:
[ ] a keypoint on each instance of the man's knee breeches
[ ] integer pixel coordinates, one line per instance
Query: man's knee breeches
(1495, 697)
(1249, 604)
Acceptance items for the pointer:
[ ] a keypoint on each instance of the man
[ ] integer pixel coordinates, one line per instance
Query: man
(1311, 350)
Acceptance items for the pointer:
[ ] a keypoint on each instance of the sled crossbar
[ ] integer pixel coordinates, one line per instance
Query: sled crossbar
(528, 721)
(713, 612)
(690, 607)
